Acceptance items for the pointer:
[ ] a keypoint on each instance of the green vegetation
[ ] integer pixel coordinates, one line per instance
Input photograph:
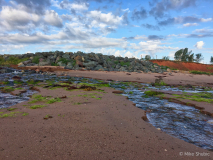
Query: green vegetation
(7, 89)
(184, 55)
(130, 92)
(162, 83)
(198, 58)
(6, 82)
(25, 114)
(147, 57)
(11, 114)
(91, 95)
(12, 60)
(61, 115)
(95, 85)
(37, 98)
(37, 106)
(32, 82)
(165, 58)
(152, 93)
(35, 59)
(116, 62)
(101, 81)
(54, 64)
(209, 67)
(64, 60)
(53, 100)
(77, 103)
(11, 109)
(123, 87)
(18, 88)
(211, 60)
(201, 72)
(199, 97)
(18, 82)
(125, 63)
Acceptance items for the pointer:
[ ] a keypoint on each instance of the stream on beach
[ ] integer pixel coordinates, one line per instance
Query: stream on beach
(181, 121)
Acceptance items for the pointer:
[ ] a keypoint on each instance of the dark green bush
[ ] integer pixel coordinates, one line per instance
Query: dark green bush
(125, 63)
(35, 60)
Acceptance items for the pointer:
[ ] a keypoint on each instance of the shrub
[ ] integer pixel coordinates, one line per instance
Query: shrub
(35, 60)
(125, 63)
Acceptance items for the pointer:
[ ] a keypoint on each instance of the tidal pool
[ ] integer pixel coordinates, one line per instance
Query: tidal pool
(181, 121)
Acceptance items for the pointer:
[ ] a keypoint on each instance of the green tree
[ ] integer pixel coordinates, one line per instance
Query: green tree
(198, 58)
(211, 60)
(184, 55)
(165, 58)
(147, 57)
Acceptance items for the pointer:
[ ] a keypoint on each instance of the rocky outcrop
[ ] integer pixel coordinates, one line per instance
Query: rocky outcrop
(88, 61)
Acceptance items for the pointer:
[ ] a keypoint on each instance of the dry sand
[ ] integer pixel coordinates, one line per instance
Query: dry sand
(110, 128)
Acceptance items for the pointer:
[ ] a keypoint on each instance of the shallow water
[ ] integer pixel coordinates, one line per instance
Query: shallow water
(181, 121)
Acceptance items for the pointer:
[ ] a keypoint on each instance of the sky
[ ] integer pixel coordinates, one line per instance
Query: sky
(122, 28)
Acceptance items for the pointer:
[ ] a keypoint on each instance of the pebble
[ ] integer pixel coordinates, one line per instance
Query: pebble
(210, 121)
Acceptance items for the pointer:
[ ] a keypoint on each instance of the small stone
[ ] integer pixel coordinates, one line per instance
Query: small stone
(158, 129)
(210, 121)
(165, 150)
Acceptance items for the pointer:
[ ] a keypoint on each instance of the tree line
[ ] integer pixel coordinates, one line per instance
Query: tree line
(184, 55)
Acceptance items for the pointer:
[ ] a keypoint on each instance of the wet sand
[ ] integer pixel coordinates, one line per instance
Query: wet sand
(109, 128)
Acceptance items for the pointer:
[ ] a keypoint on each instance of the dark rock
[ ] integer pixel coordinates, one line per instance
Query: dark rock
(44, 64)
(61, 64)
(27, 62)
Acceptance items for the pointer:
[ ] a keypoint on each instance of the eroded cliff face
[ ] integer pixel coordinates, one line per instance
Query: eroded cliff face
(188, 66)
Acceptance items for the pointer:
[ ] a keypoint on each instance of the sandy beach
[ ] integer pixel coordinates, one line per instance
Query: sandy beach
(87, 128)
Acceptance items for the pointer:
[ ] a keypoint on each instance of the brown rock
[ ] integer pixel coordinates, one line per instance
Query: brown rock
(117, 92)
(16, 78)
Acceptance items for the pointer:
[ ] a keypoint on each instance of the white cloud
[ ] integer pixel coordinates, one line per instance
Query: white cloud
(152, 46)
(7, 48)
(108, 18)
(199, 45)
(15, 18)
(204, 30)
(124, 10)
(52, 18)
(83, 6)
(206, 20)
(55, 3)
(190, 24)
(67, 5)
(128, 54)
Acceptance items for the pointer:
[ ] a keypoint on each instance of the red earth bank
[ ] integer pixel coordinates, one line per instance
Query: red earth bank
(188, 66)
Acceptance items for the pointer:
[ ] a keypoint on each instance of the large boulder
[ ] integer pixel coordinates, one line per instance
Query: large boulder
(27, 62)
(70, 65)
(21, 64)
(67, 56)
(44, 64)
(118, 66)
(57, 59)
(99, 68)
(61, 64)
(32, 64)
(79, 61)
(122, 69)
(90, 64)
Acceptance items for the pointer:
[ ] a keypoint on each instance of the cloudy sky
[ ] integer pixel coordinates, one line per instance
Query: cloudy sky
(110, 27)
